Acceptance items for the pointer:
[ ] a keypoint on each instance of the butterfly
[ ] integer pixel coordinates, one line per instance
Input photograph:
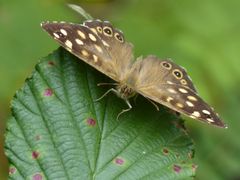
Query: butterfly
(104, 47)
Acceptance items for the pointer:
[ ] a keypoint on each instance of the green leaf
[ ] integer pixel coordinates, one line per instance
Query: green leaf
(58, 131)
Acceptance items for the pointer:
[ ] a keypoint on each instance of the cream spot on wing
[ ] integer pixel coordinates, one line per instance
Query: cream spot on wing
(196, 114)
(192, 98)
(171, 90)
(169, 99)
(84, 53)
(92, 37)
(95, 58)
(210, 120)
(56, 35)
(81, 34)
(64, 32)
(70, 50)
(189, 104)
(179, 105)
(98, 48)
(105, 43)
(183, 90)
(68, 44)
(194, 117)
(206, 112)
(78, 41)
(94, 30)
(169, 82)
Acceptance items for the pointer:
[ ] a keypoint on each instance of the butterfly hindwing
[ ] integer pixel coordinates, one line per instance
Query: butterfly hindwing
(182, 100)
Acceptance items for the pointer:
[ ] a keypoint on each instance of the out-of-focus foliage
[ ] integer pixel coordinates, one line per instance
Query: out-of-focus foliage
(202, 36)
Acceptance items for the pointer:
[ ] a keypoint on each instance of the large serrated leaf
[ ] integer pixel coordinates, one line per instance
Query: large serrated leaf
(58, 131)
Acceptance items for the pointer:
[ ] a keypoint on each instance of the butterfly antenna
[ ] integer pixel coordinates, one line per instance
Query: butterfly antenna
(80, 11)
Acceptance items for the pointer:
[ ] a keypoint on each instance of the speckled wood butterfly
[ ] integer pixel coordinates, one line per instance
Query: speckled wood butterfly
(104, 47)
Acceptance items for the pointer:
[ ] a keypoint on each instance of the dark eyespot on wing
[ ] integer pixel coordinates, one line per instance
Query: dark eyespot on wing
(105, 28)
(179, 76)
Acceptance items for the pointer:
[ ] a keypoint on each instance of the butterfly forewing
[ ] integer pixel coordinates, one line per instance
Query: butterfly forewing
(97, 43)
(83, 43)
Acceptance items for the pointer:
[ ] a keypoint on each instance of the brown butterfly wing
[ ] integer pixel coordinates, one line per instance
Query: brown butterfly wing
(152, 70)
(157, 80)
(114, 41)
(95, 42)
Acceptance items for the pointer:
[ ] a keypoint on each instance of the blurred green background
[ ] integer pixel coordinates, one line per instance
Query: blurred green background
(203, 36)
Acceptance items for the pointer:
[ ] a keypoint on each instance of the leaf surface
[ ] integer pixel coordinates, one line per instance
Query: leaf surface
(58, 130)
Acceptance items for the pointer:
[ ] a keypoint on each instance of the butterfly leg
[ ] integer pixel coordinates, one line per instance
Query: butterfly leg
(153, 103)
(110, 90)
(135, 99)
(125, 110)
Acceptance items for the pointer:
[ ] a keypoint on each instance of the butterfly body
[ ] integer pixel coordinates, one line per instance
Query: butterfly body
(125, 92)
(104, 47)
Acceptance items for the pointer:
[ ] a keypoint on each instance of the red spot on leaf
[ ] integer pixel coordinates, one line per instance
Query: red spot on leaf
(119, 161)
(51, 63)
(177, 168)
(165, 151)
(35, 154)
(48, 92)
(11, 170)
(37, 177)
(91, 122)
(38, 137)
